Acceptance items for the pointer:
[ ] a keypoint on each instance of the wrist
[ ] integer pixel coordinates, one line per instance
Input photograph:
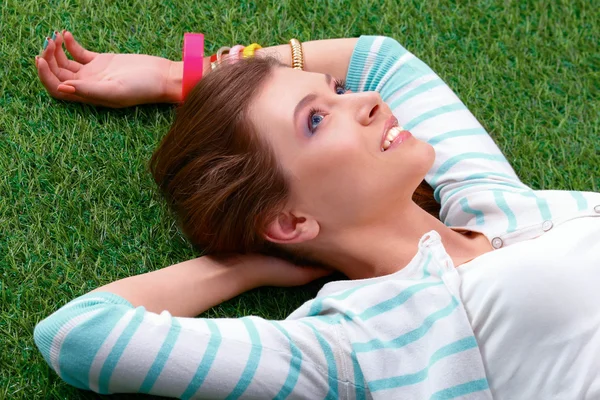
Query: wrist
(173, 82)
(240, 270)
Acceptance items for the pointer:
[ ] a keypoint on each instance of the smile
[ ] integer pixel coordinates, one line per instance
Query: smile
(393, 134)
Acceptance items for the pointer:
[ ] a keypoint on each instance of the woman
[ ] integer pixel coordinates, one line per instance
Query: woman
(496, 299)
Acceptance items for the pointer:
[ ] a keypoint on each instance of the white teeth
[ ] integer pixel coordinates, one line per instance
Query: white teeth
(391, 135)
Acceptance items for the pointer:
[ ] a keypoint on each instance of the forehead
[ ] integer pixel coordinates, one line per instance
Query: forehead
(281, 93)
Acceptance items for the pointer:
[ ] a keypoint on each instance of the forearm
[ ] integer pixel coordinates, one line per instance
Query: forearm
(185, 289)
(331, 56)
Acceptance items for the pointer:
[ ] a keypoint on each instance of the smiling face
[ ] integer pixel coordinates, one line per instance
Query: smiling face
(329, 143)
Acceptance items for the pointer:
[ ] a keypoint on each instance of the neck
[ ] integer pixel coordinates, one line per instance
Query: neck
(387, 245)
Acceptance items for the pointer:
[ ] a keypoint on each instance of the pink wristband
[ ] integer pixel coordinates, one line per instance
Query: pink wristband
(193, 61)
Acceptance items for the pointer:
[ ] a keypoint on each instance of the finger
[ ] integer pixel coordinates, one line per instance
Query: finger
(96, 92)
(61, 73)
(61, 57)
(47, 77)
(48, 55)
(79, 53)
(51, 82)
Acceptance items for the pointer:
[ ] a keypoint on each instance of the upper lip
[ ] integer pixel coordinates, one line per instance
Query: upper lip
(391, 122)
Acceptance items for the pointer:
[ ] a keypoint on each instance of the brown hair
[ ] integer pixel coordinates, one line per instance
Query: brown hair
(220, 179)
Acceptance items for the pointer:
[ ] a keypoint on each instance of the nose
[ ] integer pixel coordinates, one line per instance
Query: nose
(369, 105)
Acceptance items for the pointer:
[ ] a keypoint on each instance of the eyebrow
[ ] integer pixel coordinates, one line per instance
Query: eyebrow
(309, 98)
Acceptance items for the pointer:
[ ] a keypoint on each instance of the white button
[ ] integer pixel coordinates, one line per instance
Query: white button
(547, 225)
(497, 242)
(597, 208)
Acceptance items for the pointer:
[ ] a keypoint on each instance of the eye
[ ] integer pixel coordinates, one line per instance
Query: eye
(315, 117)
(340, 86)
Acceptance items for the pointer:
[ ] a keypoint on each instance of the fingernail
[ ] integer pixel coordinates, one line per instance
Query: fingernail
(54, 35)
(36, 60)
(45, 43)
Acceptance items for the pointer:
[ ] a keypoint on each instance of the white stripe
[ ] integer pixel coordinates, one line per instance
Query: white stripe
(397, 65)
(106, 348)
(148, 340)
(62, 333)
(412, 85)
(369, 62)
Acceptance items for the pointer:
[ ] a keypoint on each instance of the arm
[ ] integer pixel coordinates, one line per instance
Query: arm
(467, 159)
(189, 288)
(122, 337)
(123, 80)
(101, 342)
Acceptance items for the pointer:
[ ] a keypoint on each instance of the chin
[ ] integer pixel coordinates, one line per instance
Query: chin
(430, 155)
(424, 157)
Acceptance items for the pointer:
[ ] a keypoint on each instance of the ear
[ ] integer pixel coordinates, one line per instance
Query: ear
(288, 228)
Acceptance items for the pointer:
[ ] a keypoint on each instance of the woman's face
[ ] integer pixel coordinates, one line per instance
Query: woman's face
(329, 144)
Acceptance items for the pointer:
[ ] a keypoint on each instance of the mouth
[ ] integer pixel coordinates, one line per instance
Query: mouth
(393, 134)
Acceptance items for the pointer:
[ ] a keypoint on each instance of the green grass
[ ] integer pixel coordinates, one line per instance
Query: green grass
(77, 205)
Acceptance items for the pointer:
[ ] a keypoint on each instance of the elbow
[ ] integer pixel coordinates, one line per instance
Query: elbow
(70, 338)
(49, 336)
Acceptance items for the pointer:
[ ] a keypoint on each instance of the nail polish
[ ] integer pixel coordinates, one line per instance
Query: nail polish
(54, 35)
(45, 43)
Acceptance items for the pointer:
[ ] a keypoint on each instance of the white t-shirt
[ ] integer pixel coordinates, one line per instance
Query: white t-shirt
(535, 311)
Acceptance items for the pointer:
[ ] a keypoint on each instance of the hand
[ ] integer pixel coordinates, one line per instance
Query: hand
(105, 79)
(260, 270)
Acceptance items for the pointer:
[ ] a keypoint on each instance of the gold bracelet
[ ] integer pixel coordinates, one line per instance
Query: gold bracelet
(297, 55)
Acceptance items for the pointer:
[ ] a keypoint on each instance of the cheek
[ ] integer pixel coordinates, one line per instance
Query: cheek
(333, 170)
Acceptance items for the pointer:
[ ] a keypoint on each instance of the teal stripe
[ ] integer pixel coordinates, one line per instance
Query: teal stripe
(207, 360)
(357, 61)
(317, 305)
(332, 378)
(395, 301)
(88, 342)
(486, 185)
(382, 307)
(582, 203)
(295, 365)
(479, 217)
(426, 272)
(161, 357)
(501, 203)
(541, 203)
(359, 389)
(389, 53)
(379, 308)
(483, 175)
(411, 70)
(411, 379)
(45, 331)
(462, 157)
(251, 364)
(454, 134)
(416, 91)
(117, 351)
(433, 113)
(461, 390)
(408, 337)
